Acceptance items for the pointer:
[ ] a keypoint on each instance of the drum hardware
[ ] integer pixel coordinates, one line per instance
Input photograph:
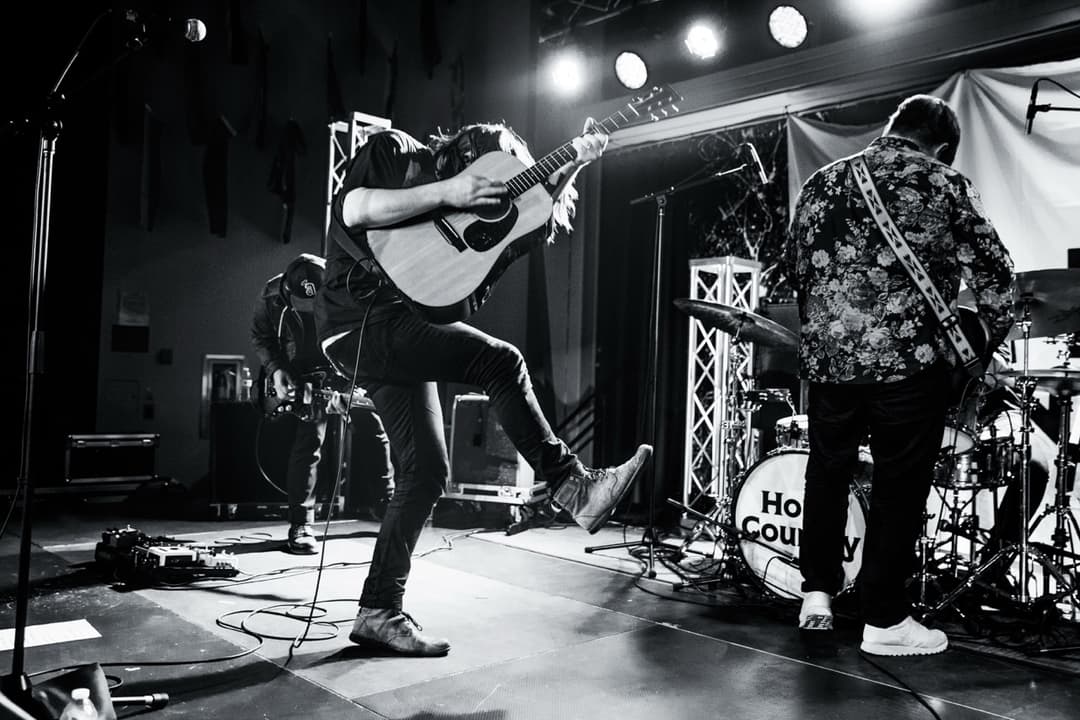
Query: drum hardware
(763, 523)
(749, 401)
(1059, 583)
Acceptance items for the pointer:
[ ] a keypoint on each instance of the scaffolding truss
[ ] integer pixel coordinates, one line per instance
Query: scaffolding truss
(719, 443)
(346, 137)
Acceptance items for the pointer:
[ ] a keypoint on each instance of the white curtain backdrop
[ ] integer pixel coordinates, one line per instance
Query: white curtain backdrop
(1030, 184)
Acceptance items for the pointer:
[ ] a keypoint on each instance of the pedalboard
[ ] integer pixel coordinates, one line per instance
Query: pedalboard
(137, 559)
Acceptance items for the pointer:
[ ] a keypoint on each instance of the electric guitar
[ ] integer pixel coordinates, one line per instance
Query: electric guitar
(312, 393)
(446, 263)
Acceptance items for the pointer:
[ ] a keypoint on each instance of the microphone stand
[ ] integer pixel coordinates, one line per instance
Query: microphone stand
(16, 685)
(649, 539)
(1034, 109)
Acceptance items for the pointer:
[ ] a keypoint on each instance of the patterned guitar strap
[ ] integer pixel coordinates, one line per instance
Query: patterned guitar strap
(950, 323)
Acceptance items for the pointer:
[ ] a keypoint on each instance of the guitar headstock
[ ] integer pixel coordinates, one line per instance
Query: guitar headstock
(659, 102)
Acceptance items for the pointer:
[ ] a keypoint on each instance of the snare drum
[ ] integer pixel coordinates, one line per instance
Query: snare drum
(768, 508)
(791, 432)
(989, 463)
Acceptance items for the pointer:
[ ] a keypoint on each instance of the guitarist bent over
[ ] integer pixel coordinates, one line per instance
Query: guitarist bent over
(370, 332)
(284, 338)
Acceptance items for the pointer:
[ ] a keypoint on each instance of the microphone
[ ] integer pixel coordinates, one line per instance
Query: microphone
(1031, 106)
(762, 176)
(152, 24)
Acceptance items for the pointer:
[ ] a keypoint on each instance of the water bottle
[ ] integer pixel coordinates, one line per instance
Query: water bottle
(80, 707)
(245, 384)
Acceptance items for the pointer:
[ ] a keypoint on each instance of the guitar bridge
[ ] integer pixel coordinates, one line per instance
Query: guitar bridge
(449, 234)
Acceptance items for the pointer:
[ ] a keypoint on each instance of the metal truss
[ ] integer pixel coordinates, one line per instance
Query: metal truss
(345, 139)
(719, 442)
(559, 17)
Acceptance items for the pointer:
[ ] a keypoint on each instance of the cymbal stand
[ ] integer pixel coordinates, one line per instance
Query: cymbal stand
(1065, 524)
(720, 517)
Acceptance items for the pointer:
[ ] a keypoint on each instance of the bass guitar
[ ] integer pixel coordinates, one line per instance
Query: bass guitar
(313, 391)
(445, 263)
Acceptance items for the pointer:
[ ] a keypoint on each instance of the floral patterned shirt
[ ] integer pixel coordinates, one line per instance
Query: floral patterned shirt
(863, 319)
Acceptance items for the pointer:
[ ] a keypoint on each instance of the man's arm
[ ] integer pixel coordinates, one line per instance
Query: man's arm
(985, 265)
(264, 337)
(588, 146)
(377, 207)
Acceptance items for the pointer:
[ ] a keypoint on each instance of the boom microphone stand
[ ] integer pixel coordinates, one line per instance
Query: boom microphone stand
(649, 539)
(16, 686)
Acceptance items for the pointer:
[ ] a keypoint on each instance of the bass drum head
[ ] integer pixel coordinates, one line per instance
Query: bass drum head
(768, 506)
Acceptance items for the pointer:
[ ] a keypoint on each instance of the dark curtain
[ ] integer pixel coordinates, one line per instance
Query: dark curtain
(624, 311)
(732, 215)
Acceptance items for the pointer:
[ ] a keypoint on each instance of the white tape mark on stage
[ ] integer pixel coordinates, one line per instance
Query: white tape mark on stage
(50, 634)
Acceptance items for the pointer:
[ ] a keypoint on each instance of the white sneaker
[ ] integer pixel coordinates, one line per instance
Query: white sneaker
(816, 611)
(907, 637)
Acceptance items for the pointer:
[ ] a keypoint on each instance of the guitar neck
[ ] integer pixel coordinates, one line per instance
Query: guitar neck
(543, 168)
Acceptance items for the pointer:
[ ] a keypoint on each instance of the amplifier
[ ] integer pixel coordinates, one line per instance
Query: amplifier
(484, 465)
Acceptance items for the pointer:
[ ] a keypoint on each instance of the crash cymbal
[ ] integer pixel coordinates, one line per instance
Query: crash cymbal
(1053, 299)
(1053, 380)
(743, 324)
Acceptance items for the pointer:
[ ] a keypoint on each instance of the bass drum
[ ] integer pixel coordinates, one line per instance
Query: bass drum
(768, 513)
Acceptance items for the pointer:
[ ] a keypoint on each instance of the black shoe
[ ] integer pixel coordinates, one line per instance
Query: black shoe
(395, 630)
(302, 540)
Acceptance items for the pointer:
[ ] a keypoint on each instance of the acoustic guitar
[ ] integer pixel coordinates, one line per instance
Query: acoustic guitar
(446, 263)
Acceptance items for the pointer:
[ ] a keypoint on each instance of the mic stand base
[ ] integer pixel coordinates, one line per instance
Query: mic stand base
(649, 541)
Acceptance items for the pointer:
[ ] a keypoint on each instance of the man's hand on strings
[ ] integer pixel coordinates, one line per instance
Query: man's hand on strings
(470, 191)
(590, 145)
(284, 384)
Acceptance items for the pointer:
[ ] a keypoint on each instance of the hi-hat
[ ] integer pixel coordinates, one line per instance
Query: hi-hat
(1059, 381)
(743, 324)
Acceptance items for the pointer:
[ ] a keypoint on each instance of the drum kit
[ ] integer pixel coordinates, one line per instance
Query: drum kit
(760, 512)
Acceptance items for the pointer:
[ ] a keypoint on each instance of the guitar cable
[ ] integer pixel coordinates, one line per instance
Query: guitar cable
(338, 479)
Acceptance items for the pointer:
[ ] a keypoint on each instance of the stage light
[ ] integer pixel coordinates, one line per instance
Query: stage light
(787, 26)
(702, 41)
(567, 72)
(631, 70)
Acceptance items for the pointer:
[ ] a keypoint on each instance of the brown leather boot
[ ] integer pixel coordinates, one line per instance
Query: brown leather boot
(590, 495)
(395, 630)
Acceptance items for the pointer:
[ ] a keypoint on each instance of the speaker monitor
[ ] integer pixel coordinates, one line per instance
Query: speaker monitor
(484, 464)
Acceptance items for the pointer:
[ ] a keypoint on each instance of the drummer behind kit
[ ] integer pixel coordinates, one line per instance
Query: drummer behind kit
(760, 514)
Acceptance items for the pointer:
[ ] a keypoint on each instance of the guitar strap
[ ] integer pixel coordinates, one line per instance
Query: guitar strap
(950, 323)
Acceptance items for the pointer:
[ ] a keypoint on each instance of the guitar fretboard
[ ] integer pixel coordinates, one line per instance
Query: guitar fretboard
(545, 166)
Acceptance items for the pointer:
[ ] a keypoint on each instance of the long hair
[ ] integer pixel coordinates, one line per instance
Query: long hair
(456, 151)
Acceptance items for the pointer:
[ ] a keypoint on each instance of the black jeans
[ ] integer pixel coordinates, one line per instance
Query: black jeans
(399, 361)
(302, 471)
(905, 421)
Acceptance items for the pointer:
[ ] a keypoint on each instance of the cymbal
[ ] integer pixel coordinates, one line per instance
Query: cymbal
(1053, 298)
(743, 324)
(1053, 380)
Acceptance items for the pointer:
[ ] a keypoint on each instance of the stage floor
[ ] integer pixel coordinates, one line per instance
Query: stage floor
(539, 629)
